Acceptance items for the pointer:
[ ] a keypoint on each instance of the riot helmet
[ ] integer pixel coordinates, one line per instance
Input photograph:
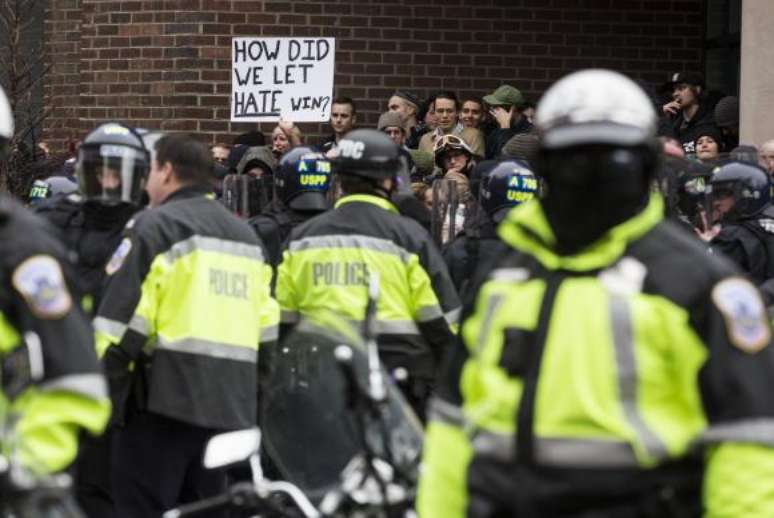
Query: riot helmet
(684, 185)
(367, 153)
(302, 179)
(149, 139)
(112, 164)
(508, 184)
(597, 154)
(739, 191)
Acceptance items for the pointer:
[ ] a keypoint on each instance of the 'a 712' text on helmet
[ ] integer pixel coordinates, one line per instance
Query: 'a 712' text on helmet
(112, 164)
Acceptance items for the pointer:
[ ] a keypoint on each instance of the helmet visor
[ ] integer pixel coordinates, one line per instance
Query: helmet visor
(112, 173)
(245, 195)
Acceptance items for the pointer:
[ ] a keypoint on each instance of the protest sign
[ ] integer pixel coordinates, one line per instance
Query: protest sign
(290, 78)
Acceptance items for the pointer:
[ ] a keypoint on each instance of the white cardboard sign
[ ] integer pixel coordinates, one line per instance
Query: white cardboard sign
(290, 78)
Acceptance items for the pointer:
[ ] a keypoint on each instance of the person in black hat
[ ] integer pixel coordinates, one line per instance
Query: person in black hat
(688, 111)
(727, 119)
(709, 144)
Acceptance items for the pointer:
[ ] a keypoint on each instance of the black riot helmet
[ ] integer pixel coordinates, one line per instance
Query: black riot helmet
(367, 153)
(508, 184)
(748, 184)
(112, 164)
(302, 179)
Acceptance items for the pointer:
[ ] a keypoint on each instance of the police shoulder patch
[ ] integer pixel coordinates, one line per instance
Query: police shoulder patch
(40, 281)
(117, 259)
(744, 313)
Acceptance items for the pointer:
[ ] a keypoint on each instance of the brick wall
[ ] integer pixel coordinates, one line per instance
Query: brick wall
(165, 63)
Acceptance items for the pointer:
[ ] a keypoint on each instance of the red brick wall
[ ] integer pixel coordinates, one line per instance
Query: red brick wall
(165, 63)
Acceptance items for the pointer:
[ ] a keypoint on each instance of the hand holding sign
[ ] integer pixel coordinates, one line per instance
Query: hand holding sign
(288, 77)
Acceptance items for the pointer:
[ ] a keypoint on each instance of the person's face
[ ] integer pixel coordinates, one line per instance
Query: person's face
(155, 186)
(722, 202)
(684, 94)
(766, 157)
(529, 113)
(431, 121)
(428, 199)
(220, 154)
(256, 172)
(454, 159)
(341, 118)
(445, 113)
(279, 142)
(401, 107)
(471, 114)
(706, 148)
(109, 179)
(395, 134)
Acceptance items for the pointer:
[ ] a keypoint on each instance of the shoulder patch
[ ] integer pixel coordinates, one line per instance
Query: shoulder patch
(117, 259)
(40, 281)
(742, 308)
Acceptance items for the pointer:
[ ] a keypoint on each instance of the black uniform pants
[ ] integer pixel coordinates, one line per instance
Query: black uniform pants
(92, 476)
(156, 464)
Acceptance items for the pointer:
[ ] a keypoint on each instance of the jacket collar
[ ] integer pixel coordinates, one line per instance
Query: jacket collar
(186, 192)
(368, 198)
(527, 229)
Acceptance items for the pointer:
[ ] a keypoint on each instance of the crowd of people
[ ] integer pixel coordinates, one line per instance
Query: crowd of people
(575, 292)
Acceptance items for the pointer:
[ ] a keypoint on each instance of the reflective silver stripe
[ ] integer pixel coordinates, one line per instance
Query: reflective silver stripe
(212, 244)
(626, 365)
(211, 349)
(90, 385)
(112, 328)
(452, 317)
(760, 431)
(288, 317)
(587, 453)
(564, 452)
(139, 325)
(494, 445)
(350, 241)
(440, 410)
(491, 307)
(510, 274)
(429, 313)
(397, 327)
(269, 334)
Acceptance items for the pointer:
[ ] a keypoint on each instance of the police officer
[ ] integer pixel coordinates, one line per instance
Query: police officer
(51, 388)
(605, 348)
(186, 306)
(504, 185)
(329, 259)
(111, 167)
(301, 184)
(741, 202)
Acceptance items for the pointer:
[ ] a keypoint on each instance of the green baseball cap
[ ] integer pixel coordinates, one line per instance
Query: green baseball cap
(504, 95)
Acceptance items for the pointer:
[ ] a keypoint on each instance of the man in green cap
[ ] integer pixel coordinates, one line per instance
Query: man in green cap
(505, 105)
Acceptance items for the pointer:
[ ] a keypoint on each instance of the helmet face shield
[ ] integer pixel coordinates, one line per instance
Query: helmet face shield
(245, 195)
(112, 173)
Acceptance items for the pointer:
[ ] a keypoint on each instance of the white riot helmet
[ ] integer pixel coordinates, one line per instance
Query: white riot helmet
(6, 117)
(595, 107)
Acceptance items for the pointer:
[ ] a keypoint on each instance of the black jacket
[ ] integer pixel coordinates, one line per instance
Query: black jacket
(91, 232)
(688, 131)
(498, 137)
(750, 244)
(273, 227)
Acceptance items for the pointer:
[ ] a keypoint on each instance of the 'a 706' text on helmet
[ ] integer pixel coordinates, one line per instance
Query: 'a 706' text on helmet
(302, 179)
(112, 164)
(508, 184)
